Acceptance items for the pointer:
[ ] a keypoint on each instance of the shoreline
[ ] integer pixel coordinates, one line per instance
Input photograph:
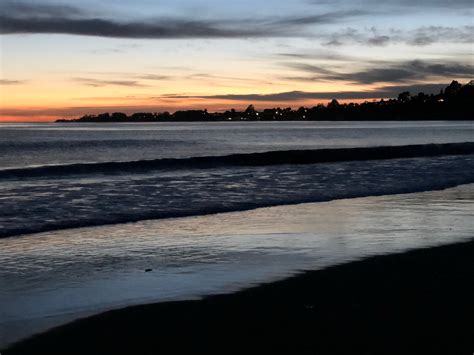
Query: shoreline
(303, 159)
(418, 301)
(287, 120)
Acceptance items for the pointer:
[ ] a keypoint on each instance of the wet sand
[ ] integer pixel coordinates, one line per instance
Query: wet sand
(415, 302)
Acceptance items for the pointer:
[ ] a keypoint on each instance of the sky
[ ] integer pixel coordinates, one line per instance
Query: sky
(63, 59)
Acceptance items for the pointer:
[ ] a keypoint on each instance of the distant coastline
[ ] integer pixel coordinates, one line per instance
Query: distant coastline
(453, 103)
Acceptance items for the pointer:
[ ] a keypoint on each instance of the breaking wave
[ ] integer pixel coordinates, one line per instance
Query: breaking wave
(238, 160)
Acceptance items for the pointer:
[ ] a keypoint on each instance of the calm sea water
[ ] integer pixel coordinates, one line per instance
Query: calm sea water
(39, 144)
(47, 201)
(66, 249)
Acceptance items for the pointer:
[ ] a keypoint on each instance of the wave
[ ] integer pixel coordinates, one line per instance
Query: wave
(38, 207)
(251, 159)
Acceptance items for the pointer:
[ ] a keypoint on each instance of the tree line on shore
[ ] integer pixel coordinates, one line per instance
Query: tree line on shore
(453, 103)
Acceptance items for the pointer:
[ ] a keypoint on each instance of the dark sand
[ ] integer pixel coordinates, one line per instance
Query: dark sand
(420, 302)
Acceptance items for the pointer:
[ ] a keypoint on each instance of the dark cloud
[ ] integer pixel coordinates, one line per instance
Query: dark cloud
(154, 77)
(388, 72)
(355, 36)
(377, 75)
(100, 82)
(412, 70)
(325, 18)
(18, 17)
(320, 55)
(27, 10)
(278, 97)
(30, 18)
(22, 17)
(433, 34)
(423, 4)
(26, 17)
(394, 90)
(10, 82)
(378, 40)
(382, 92)
(163, 28)
(419, 37)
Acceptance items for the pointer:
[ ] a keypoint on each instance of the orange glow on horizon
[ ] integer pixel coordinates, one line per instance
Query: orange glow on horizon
(66, 96)
(49, 114)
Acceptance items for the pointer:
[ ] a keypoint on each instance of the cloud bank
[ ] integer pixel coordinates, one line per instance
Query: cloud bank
(382, 92)
(29, 18)
(398, 72)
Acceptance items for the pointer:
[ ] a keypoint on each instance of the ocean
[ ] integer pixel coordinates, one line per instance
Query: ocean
(57, 176)
(85, 209)
(38, 144)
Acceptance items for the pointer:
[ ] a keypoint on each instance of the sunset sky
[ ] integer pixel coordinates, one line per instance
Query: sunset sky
(65, 59)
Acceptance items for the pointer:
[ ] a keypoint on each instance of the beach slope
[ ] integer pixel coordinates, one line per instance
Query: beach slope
(415, 302)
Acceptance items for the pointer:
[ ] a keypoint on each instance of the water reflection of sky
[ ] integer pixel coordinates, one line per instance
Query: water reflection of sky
(63, 274)
(37, 144)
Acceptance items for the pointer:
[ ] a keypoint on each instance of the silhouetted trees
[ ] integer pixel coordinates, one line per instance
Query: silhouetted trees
(453, 103)
(404, 96)
(333, 104)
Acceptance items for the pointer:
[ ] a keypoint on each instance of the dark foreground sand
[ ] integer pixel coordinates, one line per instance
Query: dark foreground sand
(420, 302)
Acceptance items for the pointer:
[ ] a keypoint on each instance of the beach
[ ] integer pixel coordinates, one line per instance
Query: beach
(218, 247)
(243, 177)
(76, 273)
(414, 302)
